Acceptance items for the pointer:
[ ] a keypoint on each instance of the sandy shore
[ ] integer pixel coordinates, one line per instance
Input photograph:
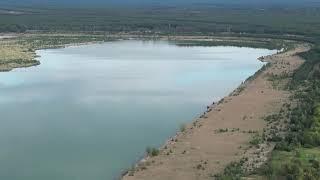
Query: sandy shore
(204, 149)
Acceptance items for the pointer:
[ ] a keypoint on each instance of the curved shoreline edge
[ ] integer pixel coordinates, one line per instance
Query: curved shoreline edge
(222, 134)
(20, 49)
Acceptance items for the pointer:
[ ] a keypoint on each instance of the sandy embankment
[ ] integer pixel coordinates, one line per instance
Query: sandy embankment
(200, 152)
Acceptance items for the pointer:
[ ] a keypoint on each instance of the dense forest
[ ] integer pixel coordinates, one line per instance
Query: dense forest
(160, 19)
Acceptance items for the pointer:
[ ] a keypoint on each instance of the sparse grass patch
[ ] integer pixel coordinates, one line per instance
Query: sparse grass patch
(183, 127)
(256, 140)
(272, 118)
(152, 151)
(233, 171)
(221, 130)
(277, 80)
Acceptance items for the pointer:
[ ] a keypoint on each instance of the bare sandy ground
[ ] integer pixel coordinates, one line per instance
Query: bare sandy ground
(7, 36)
(202, 150)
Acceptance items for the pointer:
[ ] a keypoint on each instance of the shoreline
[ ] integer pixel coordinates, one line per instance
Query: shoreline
(178, 165)
(28, 50)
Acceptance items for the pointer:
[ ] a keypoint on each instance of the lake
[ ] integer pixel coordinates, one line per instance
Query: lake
(89, 112)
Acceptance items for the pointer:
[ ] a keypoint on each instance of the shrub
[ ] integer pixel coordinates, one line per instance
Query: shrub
(182, 127)
(152, 151)
(256, 140)
(233, 171)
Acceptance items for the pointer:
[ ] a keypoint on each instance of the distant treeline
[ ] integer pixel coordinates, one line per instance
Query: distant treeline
(168, 3)
(158, 19)
(17, 28)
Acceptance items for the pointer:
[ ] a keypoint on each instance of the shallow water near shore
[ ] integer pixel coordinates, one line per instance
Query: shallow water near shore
(89, 112)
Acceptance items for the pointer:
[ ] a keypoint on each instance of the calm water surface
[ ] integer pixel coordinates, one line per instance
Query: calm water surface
(88, 112)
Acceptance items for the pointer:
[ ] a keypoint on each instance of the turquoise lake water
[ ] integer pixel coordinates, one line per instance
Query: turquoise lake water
(88, 112)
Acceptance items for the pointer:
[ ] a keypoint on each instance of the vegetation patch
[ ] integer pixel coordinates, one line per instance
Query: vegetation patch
(233, 171)
(256, 140)
(20, 51)
(183, 127)
(302, 163)
(152, 151)
(277, 80)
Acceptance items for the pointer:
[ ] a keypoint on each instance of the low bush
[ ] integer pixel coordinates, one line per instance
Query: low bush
(152, 151)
